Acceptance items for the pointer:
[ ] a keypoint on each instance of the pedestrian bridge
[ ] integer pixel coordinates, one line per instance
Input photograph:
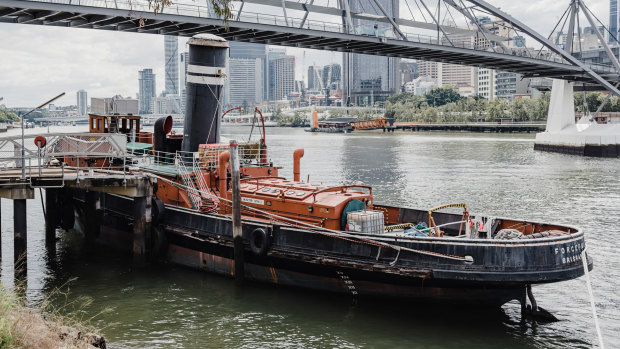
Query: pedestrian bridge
(448, 31)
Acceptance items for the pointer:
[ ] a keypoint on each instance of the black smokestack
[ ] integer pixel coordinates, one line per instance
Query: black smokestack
(205, 80)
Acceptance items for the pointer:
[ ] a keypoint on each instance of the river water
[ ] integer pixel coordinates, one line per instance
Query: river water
(498, 175)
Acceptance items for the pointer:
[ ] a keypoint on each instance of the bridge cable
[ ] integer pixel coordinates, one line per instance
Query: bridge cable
(412, 17)
(554, 29)
(421, 12)
(470, 12)
(607, 30)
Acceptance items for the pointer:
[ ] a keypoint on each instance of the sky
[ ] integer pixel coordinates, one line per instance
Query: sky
(39, 62)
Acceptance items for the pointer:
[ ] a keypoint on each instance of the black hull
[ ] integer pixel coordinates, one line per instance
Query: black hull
(303, 259)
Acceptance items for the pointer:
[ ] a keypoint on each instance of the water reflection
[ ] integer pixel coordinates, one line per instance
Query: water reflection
(170, 307)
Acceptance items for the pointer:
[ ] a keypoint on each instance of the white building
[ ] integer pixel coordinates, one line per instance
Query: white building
(169, 104)
(114, 105)
(486, 83)
(82, 101)
(245, 81)
(421, 85)
(282, 76)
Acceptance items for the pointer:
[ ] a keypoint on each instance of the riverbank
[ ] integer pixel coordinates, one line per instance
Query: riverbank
(22, 327)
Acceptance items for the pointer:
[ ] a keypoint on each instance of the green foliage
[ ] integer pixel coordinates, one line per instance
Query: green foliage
(336, 113)
(442, 95)
(222, 8)
(8, 304)
(594, 101)
(298, 119)
(407, 107)
(7, 115)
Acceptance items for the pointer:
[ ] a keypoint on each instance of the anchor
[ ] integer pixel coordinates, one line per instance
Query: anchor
(533, 311)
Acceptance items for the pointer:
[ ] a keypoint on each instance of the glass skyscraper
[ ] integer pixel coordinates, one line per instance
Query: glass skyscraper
(146, 84)
(369, 78)
(171, 45)
(613, 20)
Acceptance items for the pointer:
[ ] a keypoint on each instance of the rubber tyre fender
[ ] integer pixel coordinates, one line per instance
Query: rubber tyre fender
(158, 209)
(259, 241)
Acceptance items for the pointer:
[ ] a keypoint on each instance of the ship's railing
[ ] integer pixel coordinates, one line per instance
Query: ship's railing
(207, 158)
(250, 154)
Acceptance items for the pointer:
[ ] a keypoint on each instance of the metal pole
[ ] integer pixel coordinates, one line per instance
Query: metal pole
(236, 212)
(23, 154)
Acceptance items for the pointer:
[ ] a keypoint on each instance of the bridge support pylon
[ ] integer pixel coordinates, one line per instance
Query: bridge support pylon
(561, 107)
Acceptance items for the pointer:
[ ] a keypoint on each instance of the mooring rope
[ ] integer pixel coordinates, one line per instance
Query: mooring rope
(592, 304)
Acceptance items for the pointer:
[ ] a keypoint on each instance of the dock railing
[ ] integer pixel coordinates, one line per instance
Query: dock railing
(59, 149)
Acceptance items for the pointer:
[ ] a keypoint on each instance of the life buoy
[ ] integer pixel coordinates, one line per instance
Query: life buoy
(259, 241)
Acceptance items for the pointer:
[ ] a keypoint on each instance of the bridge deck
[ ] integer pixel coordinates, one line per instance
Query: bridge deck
(278, 30)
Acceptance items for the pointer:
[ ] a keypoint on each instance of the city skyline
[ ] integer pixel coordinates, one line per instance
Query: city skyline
(43, 61)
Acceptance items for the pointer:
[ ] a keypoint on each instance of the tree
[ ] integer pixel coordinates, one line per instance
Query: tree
(496, 109)
(442, 95)
(7, 115)
(222, 8)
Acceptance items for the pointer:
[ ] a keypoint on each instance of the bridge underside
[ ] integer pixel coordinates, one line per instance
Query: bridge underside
(74, 16)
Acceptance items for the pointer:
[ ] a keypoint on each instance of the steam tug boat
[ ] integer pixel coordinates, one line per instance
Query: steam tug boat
(328, 238)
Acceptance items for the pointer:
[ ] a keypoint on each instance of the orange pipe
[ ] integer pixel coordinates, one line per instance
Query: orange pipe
(223, 163)
(297, 154)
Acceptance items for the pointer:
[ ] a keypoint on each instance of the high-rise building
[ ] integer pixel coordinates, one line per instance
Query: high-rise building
(613, 20)
(485, 86)
(146, 84)
(281, 76)
(408, 71)
(183, 78)
(82, 100)
(455, 75)
(253, 51)
(314, 78)
(330, 75)
(171, 44)
(428, 68)
(245, 81)
(370, 78)
(272, 54)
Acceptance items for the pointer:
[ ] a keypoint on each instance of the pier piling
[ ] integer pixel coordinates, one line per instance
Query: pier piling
(52, 216)
(236, 212)
(92, 222)
(141, 228)
(20, 237)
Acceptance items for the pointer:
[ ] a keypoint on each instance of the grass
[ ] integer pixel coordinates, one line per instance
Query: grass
(49, 326)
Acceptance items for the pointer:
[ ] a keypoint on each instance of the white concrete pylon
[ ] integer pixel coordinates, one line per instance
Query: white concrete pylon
(561, 107)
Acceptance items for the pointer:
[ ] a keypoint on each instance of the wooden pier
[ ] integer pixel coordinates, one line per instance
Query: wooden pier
(494, 127)
(57, 179)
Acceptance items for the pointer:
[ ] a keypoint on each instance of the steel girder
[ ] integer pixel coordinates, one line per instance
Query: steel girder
(173, 24)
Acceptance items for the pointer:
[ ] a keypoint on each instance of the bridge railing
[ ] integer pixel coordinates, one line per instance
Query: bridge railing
(191, 10)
